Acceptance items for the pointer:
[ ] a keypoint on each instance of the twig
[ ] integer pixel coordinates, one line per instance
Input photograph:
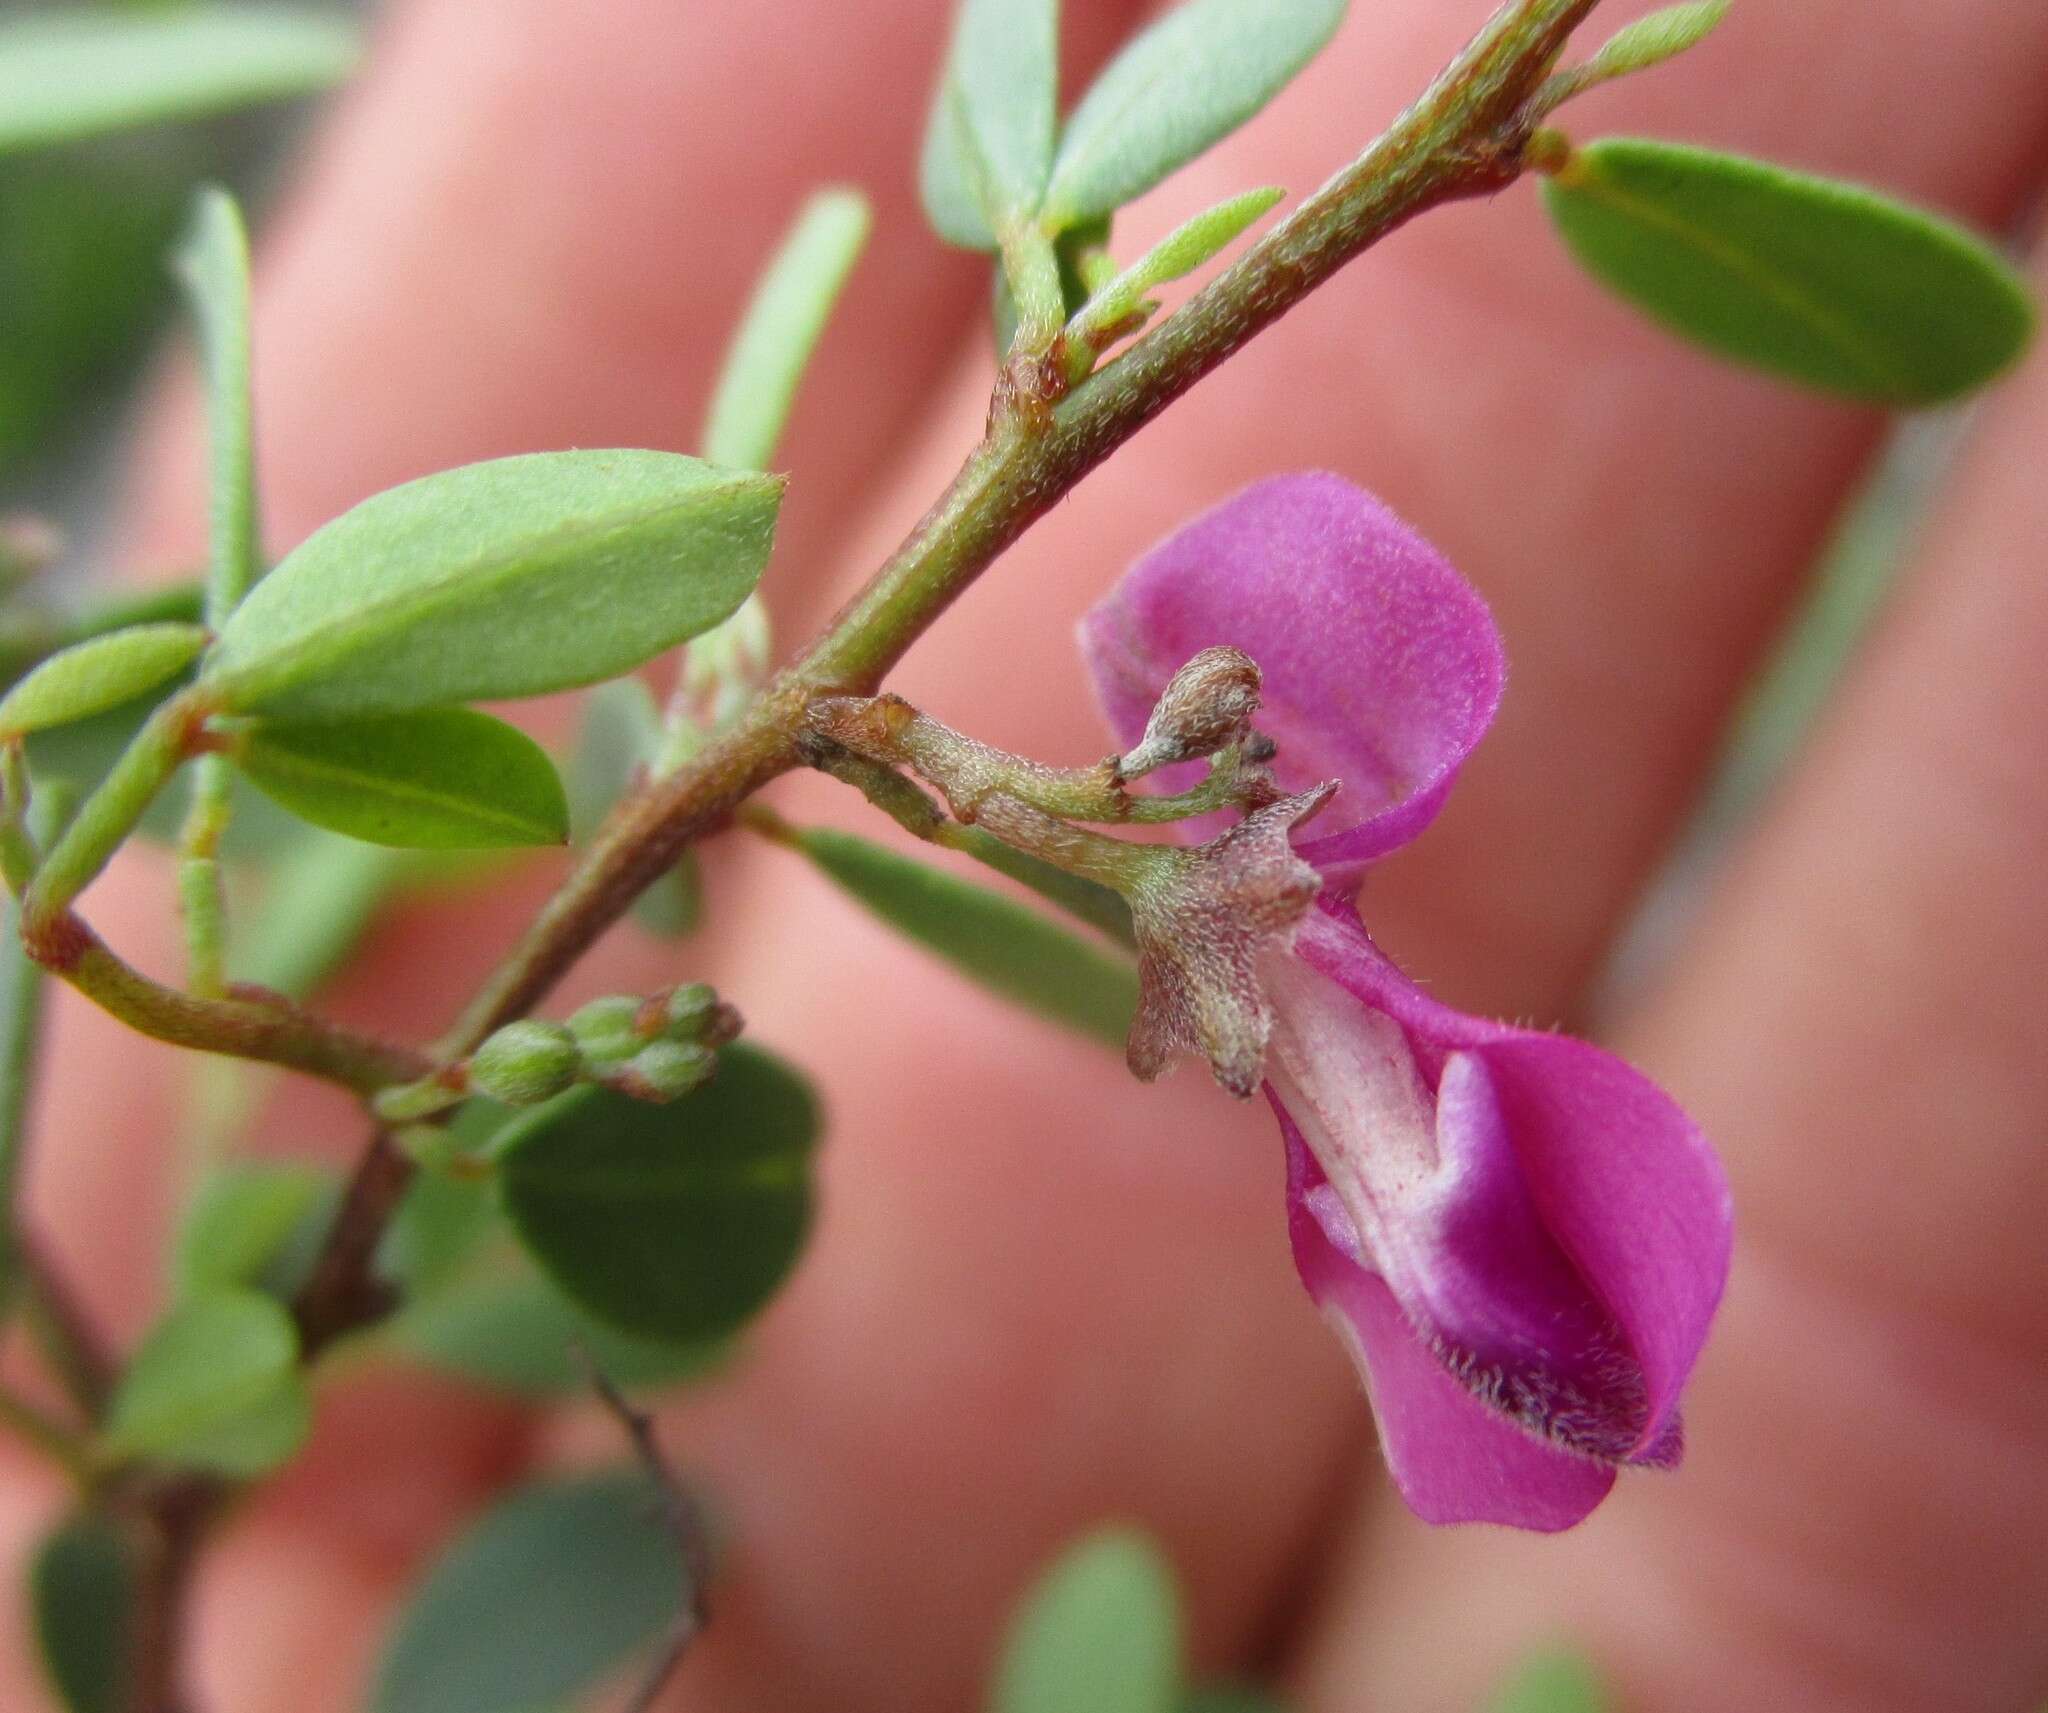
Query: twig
(70, 1343)
(1465, 137)
(685, 1524)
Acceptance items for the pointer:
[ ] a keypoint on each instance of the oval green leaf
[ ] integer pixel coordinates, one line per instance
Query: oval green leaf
(1100, 1633)
(1007, 948)
(1551, 1683)
(439, 779)
(782, 327)
(1651, 41)
(1178, 89)
(83, 1585)
(1231, 1699)
(214, 1386)
(553, 1589)
(671, 1223)
(213, 263)
(73, 75)
(91, 677)
(509, 578)
(1824, 283)
(989, 143)
(243, 1223)
(514, 1332)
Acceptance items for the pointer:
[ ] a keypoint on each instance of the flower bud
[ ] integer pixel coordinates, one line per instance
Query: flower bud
(609, 1029)
(667, 1070)
(689, 1009)
(525, 1063)
(1206, 706)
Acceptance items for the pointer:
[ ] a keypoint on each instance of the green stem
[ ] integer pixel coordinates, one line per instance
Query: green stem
(200, 897)
(109, 815)
(247, 1024)
(21, 1009)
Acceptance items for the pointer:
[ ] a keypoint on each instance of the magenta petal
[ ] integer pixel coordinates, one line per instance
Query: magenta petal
(1623, 1182)
(1382, 666)
(1453, 1459)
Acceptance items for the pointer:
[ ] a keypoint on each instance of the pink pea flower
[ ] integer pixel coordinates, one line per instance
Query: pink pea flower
(1520, 1239)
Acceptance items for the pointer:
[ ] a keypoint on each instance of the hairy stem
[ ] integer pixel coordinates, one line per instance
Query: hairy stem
(248, 1023)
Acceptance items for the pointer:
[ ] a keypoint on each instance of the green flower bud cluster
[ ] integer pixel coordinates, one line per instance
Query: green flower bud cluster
(653, 1049)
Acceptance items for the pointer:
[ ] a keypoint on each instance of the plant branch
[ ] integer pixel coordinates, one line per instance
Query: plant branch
(249, 1023)
(1465, 137)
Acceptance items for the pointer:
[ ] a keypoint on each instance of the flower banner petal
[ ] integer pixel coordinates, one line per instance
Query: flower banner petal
(1382, 667)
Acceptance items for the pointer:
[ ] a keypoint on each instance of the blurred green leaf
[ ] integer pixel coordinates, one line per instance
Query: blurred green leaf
(672, 1223)
(1815, 280)
(92, 677)
(82, 1589)
(435, 779)
(782, 326)
(213, 263)
(1232, 1700)
(1177, 90)
(1100, 1633)
(70, 75)
(989, 143)
(514, 1332)
(621, 733)
(241, 1220)
(444, 1222)
(1551, 1683)
(319, 900)
(82, 239)
(215, 1386)
(549, 1592)
(1004, 946)
(1650, 41)
(509, 578)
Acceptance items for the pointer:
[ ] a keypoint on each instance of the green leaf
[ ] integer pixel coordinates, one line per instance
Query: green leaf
(213, 263)
(1100, 1633)
(1651, 41)
(782, 327)
(1551, 1683)
(989, 143)
(320, 898)
(242, 1220)
(439, 779)
(82, 1589)
(508, 578)
(444, 1221)
(672, 1223)
(82, 239)
(621, 733)
(93, 677)
(550, 1591)
(215, 1386)
(516, 1333)
(77, 75)
(1181, 251)
(1177, 90)
(1007, 948)
(1818, 281)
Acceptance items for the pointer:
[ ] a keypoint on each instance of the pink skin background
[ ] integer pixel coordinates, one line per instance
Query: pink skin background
(1041, 1295)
